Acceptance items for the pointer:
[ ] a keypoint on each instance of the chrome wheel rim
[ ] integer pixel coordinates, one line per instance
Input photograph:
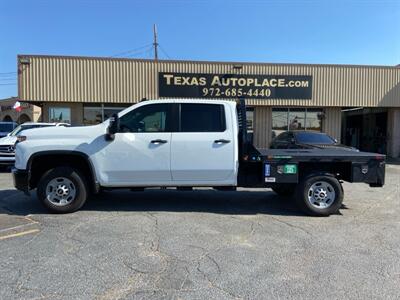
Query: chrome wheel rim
(60, 191)
(321, 195)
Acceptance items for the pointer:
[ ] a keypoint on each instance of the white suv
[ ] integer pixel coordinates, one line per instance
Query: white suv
(7, 151)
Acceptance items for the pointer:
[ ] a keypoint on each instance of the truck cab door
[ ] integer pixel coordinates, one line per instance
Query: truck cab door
(140, 154)
(204, 148)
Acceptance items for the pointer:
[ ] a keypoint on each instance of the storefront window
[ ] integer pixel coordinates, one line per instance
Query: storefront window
(250, 123)
(284, 119)
(109, 111)
(279, 121)
(96, 114)
(92, 115)
(313, 119)
(297, 119)
(60, 114)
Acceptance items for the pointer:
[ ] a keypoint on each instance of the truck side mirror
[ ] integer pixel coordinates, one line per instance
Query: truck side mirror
(113, 127)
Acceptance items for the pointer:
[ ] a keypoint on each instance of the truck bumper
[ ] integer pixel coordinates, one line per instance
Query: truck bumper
(7, 161)
(21, 179)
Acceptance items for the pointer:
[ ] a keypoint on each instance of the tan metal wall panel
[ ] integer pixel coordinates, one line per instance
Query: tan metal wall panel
(262, 126)
(332, 122)
(85, 79)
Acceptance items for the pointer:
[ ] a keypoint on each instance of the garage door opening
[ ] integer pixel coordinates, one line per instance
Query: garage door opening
(365, 129)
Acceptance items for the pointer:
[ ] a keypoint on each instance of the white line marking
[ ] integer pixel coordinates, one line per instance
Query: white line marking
(18, 234)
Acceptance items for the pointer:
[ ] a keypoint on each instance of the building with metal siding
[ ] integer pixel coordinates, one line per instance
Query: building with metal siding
(339, 93)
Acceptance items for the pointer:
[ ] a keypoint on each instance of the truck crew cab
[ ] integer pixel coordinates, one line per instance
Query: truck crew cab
(181, 143)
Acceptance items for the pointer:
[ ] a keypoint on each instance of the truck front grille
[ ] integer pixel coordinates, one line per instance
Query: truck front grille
(7, 149)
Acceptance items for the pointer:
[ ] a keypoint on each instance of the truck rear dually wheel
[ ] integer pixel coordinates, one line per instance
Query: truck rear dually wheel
(320, 195)
(62, 190)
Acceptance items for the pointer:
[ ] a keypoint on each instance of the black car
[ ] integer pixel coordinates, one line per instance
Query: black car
(306, 140)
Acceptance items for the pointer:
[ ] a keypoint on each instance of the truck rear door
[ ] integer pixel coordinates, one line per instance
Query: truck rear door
(203, 148)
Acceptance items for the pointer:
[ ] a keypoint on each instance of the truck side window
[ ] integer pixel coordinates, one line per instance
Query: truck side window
(147, 118)
(202, 118)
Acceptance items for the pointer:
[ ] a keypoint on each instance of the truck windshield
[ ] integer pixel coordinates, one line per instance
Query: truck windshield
(314, 138)
(6, 127)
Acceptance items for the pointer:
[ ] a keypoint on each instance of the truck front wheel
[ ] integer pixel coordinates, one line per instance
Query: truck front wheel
(320, 195)
(62, 190)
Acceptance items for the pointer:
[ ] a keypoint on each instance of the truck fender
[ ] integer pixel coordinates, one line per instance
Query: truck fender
(93, 180)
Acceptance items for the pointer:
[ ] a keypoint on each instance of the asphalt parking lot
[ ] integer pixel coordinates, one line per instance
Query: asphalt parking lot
(201, 245)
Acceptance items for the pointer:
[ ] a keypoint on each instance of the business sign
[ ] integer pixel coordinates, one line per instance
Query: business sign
(194, 85)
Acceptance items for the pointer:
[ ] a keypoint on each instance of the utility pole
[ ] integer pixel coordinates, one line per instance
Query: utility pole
(155, 44)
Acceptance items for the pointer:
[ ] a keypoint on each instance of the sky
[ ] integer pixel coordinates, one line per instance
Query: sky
(363, 32)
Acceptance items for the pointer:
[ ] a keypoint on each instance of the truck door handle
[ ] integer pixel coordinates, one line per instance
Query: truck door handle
(222, 141)
(158, 141)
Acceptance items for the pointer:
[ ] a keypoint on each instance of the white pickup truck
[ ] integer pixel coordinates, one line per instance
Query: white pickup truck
(184, 144)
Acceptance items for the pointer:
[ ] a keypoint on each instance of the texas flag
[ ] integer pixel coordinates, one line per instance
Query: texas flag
(17, 106)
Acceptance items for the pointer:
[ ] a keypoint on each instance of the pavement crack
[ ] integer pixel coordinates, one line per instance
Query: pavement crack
(216, 286)
(130, 267)
(185, 279)
(292, 226)
(215, 263)
(155, 245)
(211, 282)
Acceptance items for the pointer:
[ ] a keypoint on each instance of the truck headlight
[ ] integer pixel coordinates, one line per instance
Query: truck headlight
(20, 139)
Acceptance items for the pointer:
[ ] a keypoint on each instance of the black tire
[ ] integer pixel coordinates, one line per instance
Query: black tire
(79, 182)
(302, 194)
(284, 190)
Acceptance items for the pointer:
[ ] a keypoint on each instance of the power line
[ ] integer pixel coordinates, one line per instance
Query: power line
(149, 52)
(144, 52)
(8, 73)
(163, 51)
(8, 84)
(132, 50)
